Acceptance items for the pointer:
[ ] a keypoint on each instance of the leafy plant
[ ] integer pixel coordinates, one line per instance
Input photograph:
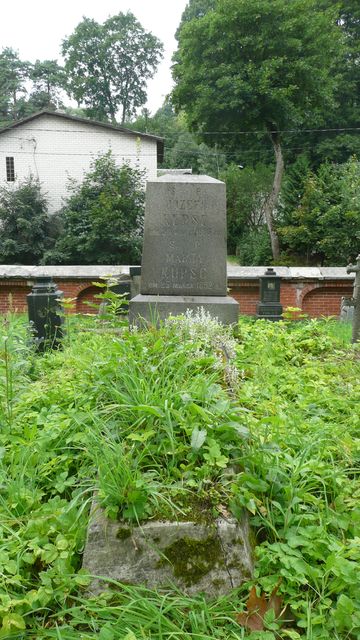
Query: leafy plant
(103, 216)
(147, 420)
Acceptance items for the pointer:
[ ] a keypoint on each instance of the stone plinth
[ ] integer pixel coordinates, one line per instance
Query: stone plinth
(195, 558)
(184, 250)
(147, 309)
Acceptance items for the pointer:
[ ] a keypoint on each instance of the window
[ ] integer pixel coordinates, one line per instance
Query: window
(10, 170)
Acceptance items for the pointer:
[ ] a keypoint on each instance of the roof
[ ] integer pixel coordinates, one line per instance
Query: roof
(88, 121)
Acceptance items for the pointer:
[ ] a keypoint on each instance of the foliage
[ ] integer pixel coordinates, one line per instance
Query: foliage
(254, 247)
(13, 74)
(258, 66)
(108, 65)
(323, 225)
(339, 145)
(246, 192)
(26, 88)
(48, 79)
(103, 217)
(24, 223)
(154, 409)
(182, 151)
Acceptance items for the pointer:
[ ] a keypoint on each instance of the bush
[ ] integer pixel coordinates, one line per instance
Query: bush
(24, 223)
(322, 227)
(246, 192)
(103, 217)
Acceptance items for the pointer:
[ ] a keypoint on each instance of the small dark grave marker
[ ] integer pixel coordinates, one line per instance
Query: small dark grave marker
(45, 314)
(269, 306)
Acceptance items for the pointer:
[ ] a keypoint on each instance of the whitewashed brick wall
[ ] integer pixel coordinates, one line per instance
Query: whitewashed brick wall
(55, 149)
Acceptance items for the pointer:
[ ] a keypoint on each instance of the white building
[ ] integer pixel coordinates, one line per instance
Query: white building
(54, 146)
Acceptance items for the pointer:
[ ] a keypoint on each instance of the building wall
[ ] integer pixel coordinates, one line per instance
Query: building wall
(316, 297)
(55, 150)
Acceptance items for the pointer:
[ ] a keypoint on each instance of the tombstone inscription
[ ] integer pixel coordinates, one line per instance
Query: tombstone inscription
(184, 251)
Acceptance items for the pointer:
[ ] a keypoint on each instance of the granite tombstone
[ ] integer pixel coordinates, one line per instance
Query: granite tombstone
(184, 252)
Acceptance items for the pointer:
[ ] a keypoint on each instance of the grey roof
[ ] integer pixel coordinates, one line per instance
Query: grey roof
(88, 121)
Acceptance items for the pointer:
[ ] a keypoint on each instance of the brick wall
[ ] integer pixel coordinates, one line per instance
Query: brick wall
(314, 297)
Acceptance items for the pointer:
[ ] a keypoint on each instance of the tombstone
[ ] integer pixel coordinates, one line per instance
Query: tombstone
(269, 307)
(347, 306)
(184, 251)
(351, 268)
(45, 314)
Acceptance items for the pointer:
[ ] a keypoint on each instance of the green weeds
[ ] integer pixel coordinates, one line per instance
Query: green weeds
(151, 422)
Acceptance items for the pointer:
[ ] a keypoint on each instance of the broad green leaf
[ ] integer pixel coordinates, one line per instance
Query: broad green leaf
(13, 621)
(198, 438)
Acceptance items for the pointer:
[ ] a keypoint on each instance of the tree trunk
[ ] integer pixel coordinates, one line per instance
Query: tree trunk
(272, 200)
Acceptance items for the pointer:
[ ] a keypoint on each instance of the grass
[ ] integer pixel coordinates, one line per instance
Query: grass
(267, 422)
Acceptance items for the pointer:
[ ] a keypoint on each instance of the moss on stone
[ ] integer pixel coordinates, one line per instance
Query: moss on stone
(123, 533)
(193, 559)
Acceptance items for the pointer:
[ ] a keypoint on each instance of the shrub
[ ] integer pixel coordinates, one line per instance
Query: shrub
(24, 223)
(103, 217)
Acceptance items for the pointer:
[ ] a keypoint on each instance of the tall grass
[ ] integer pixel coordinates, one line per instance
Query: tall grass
(153, 409)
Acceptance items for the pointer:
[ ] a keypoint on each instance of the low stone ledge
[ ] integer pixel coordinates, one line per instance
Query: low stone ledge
(147, 309)
(195, 558)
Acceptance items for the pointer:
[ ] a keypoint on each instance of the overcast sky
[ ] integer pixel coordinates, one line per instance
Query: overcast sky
(36, 28)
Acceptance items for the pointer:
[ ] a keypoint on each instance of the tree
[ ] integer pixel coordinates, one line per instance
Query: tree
(181, 148)
(324, 225)
(103, 217)
(13, 76)
(48, 79)
(24, 223)
(26, 87)
(246, 193)
(338, 138)
(108, 65)
(260, 65)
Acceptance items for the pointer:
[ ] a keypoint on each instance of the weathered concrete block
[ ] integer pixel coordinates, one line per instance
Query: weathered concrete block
(211, 559)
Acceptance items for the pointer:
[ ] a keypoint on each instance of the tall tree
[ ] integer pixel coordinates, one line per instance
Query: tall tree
(48, 79)
(259, 65)
(13, 76)
(108, 65)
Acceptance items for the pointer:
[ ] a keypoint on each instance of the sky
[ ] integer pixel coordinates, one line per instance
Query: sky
(36, 29)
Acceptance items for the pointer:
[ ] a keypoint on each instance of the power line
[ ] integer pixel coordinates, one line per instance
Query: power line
(204, 133)
(230, 133)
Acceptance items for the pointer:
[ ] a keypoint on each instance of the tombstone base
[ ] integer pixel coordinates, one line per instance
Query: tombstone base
(145, 310)
(269, 311)
(195, 558)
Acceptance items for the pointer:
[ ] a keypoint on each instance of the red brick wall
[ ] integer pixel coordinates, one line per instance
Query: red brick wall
(325, 300)
(316, 298)
(13, 295)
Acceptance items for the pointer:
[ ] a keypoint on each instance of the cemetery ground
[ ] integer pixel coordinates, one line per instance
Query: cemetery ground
(184, 421)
